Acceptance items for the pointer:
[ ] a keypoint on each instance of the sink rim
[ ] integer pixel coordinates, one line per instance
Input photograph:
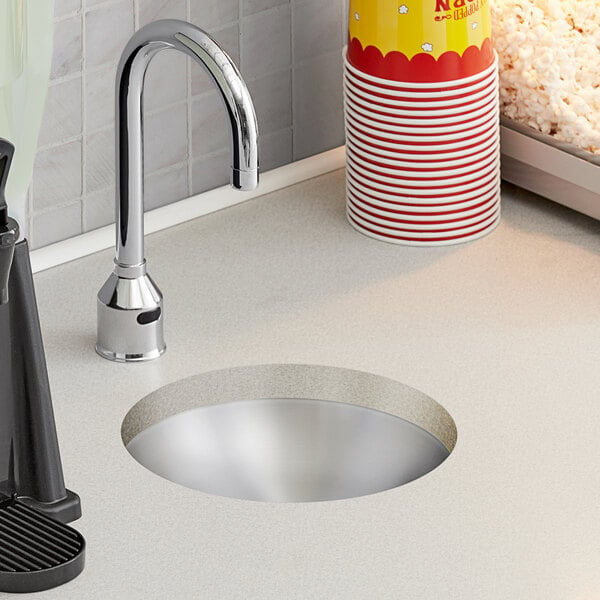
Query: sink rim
(296, 381)
(287, 450)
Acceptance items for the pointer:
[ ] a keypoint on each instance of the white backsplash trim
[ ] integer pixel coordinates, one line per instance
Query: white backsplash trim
(189, 208)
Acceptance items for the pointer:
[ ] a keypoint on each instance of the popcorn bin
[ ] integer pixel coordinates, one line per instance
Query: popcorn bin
(549, 58)
(420, 40)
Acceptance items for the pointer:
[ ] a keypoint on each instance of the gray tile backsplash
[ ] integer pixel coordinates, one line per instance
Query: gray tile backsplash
(152, 10)
(166, 81)
(68, 44)
(57, 176)
(272, 96)
(276, 149)
(107, 30)
(316, 28)
(210, 171)
(65, 7)
(98, 101)
(162, 186)
(62, 113)
(209, 124)
(266, 43)
(98, 209)
(165, 137)
(60, 224)
(209, 14)
(100, 160)
(289, 52)
(317, 90)
(249, 7)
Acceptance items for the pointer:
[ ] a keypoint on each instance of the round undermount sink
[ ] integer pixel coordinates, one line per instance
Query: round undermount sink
(289, 433)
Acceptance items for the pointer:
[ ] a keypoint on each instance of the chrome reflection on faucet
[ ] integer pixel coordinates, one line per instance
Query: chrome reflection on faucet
(130, 307)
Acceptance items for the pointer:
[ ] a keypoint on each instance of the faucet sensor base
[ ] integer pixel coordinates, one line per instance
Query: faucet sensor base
(130, 319)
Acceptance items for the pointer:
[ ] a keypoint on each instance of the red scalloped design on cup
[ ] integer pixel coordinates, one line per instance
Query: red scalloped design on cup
(422, 67)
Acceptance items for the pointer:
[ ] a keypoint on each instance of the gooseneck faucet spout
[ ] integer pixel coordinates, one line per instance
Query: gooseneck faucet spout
(138, 53)
(130, 319)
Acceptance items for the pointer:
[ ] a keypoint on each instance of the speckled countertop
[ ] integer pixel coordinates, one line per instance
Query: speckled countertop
(504, 332)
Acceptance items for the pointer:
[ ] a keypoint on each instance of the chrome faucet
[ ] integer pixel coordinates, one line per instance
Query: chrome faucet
(130, 307)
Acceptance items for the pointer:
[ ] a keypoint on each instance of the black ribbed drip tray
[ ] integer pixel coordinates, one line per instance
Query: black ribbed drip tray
(36, 552)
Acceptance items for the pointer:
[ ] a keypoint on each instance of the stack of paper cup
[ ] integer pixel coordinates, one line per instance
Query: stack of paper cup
(422, 122)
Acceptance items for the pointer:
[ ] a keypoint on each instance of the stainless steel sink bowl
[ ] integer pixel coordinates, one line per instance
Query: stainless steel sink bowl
(289, 433)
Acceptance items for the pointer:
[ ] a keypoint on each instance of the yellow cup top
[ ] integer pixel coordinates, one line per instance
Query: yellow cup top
(420, 26)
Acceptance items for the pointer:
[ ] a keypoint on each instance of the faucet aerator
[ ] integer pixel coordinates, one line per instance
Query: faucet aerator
(245, 181)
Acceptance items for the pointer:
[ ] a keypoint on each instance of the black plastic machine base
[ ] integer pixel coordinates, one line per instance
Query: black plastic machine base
(36, 552)
(65, 510)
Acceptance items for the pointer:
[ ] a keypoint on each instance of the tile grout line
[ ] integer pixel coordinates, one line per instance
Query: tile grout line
(293, 79)
(188, 73)
(239, 20)
(240, 35)
(29, 213)
(84, 132)
(104, 4)
(240, 46)
(63, 79)
(58, 207)
(136, 15)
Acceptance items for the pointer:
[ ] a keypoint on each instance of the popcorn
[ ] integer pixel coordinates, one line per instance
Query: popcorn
(549, 60)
